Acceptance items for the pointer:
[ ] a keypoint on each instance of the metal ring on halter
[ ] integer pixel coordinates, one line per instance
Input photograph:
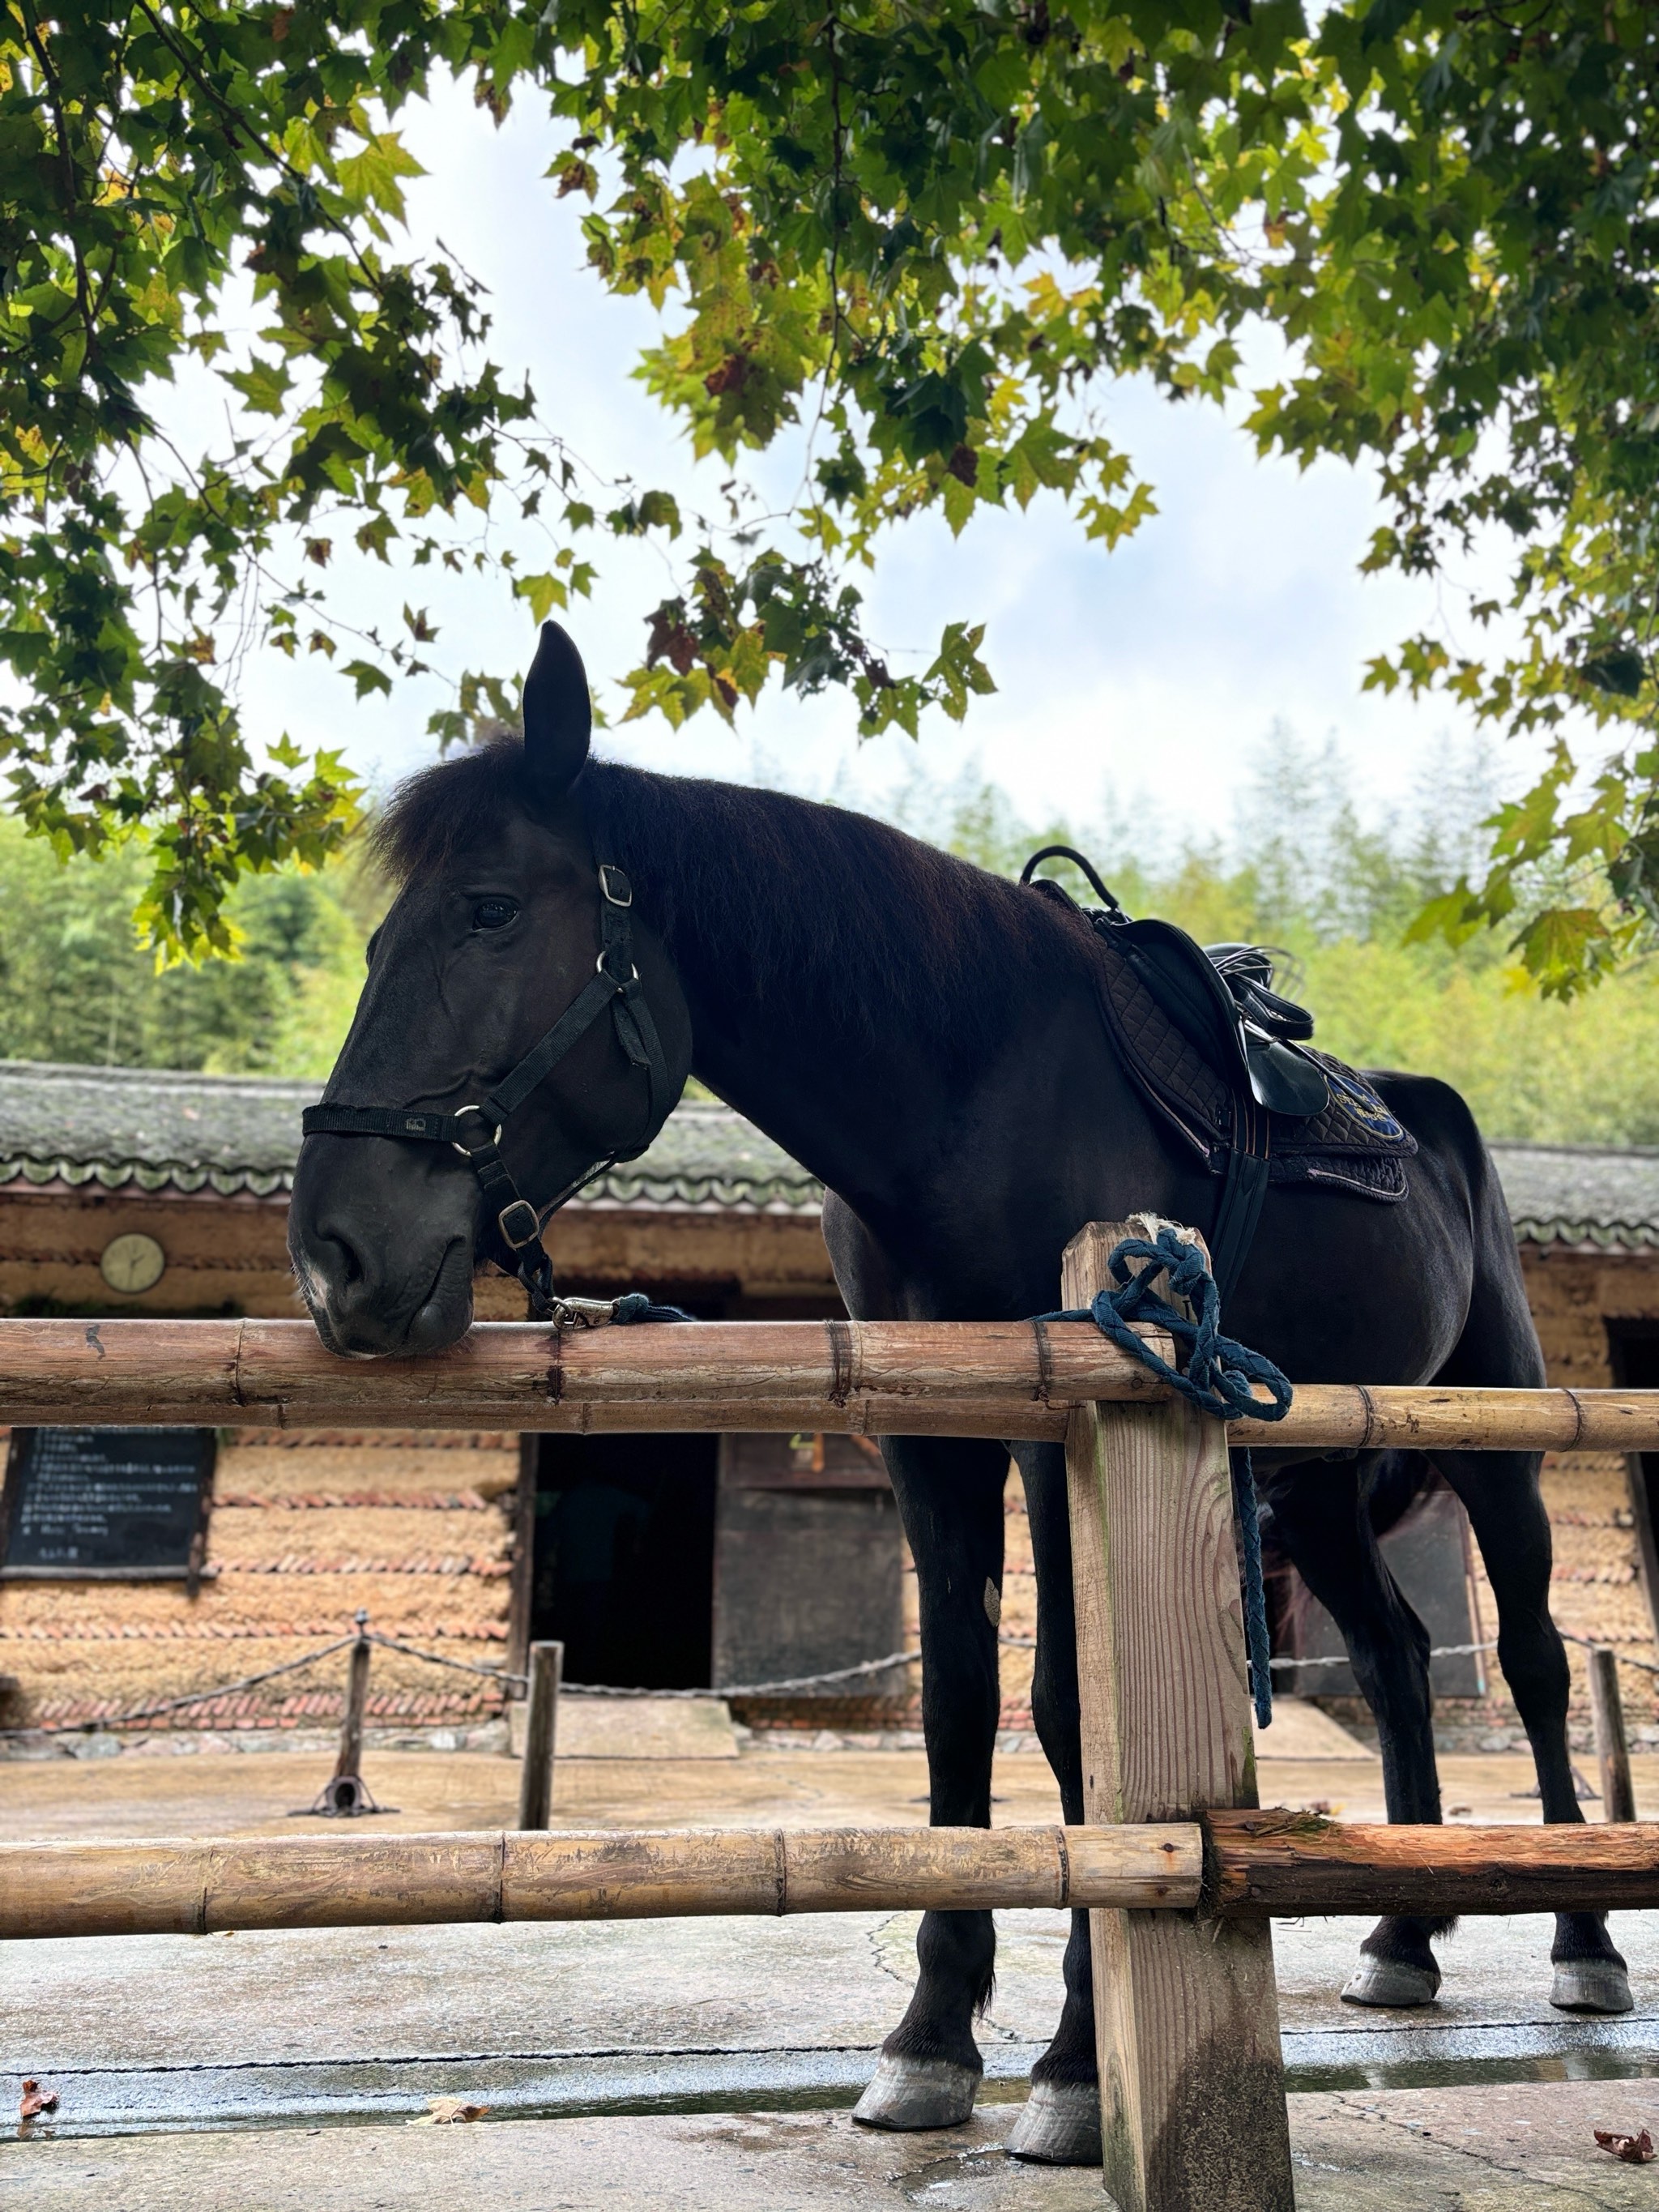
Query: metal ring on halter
(466, 1151)
(621, 981)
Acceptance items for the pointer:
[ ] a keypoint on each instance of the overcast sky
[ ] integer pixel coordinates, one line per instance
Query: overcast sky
(1153, 670)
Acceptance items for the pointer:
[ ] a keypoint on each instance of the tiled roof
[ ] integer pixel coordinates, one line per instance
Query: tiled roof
(1581, 1194)
(153, 1130)
(157, 1130)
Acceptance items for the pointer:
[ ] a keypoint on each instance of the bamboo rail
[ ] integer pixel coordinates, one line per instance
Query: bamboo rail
(1239, 1865)
(1013, 1379)
(992, 1378)
(1425, 1416)
(1289, 1863)
(98, 1888)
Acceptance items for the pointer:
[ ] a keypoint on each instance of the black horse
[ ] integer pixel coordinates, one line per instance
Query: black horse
(928, 1040)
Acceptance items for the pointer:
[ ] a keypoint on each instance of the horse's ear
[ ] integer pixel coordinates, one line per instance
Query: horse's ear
(558, 716)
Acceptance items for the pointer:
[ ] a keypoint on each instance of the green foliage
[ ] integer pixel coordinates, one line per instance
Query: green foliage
(917, 238)
(1336, 898)
(76, 985)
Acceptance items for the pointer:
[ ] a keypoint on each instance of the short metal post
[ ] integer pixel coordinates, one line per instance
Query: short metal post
(1612, 1745)
(346, 1795)
(541, 1731)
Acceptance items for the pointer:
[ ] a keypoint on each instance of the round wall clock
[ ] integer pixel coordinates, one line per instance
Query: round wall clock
(132, 1263)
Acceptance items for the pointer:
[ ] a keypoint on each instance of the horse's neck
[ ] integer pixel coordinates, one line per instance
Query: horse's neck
(858, 1098)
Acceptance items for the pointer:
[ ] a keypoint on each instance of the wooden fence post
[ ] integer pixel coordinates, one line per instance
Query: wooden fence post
(1612, 1745)
(541, 1729)
(1191, 2085)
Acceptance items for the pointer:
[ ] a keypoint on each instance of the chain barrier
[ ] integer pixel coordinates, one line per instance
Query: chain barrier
(505, 1677)
(177, 1705)
(1341, 1659)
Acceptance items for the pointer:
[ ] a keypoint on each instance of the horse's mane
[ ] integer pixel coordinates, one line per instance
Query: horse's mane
(760, 896)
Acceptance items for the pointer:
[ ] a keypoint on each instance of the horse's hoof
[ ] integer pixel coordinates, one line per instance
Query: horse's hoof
(1391, 1983)
(1591, 1985)
(1059, 2124)
(918, 2092)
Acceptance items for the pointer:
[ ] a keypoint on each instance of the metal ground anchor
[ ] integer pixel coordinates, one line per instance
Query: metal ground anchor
(345, 1796)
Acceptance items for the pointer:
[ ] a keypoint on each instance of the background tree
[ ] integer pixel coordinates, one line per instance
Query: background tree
(917, 238)
(1301, 874)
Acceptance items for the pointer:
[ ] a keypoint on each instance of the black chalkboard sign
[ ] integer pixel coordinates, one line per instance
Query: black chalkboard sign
(122, 1504)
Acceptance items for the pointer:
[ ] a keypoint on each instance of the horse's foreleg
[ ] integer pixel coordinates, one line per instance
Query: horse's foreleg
(1060, 2124)
(1320, 1517)
(949, 1495)
(1501, 1495)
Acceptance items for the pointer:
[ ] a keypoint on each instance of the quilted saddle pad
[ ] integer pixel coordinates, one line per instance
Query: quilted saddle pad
(1356, 1143)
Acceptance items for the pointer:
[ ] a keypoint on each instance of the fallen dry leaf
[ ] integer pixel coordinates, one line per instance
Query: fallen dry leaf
(37, 2101)
(447, 2112)
(1458, 1812)
(1635, 2150)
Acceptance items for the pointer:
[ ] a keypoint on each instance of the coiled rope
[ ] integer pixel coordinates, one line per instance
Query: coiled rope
(1218, 1374)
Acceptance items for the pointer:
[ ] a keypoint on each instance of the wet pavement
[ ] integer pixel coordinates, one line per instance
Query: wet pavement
(1392, 2151)
(615, 2056)
(690, 2016)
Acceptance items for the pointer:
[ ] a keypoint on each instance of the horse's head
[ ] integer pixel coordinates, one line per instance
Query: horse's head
(505, 924)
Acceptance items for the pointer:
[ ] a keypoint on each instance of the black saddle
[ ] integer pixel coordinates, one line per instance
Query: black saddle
(1230, 1063)
(1219, 996)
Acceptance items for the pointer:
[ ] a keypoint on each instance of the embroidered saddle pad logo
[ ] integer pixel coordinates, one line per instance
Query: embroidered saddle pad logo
(1354, 1143)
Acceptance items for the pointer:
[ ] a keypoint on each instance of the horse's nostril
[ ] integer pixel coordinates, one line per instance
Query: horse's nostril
(347, 1268)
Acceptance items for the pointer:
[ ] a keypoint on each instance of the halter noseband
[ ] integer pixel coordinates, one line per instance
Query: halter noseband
(616, 984)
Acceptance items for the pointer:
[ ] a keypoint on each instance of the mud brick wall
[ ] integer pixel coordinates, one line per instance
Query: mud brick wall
(1596, 1588)
(308, 1526)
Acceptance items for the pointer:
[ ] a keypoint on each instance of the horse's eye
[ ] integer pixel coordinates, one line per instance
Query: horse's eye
(493, 914)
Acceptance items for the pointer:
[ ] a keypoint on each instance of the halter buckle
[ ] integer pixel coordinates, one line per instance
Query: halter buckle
(520, 1224)
(607, 869)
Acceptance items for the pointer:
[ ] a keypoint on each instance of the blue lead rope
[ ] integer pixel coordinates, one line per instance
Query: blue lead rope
(1216, 1376)
(635, 1305)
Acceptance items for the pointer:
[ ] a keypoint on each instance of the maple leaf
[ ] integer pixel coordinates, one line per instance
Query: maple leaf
(1634, 2150)
(448, 2111)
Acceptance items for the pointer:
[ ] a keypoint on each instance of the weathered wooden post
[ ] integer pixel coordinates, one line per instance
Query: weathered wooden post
(541, 1731)
(1612, 1745)
(1192, 2087)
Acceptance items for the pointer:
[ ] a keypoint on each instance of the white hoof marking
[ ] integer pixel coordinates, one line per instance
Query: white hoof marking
(1591, 1985)
(1059, 2124)
(909, 2093)
(1391, 1983)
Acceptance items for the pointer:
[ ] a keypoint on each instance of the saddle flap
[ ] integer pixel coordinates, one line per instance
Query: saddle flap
(1185, 982)
(1283, 1081)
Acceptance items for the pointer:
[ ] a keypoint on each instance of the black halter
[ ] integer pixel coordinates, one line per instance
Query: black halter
(476, 1131)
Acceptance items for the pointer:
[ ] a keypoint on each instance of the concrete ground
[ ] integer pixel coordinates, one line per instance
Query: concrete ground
(1429, 2150)
(153, 1792)
(713, 2062)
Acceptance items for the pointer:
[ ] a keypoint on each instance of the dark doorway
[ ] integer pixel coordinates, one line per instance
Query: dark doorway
(625, 1558)
(1634, 1350)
